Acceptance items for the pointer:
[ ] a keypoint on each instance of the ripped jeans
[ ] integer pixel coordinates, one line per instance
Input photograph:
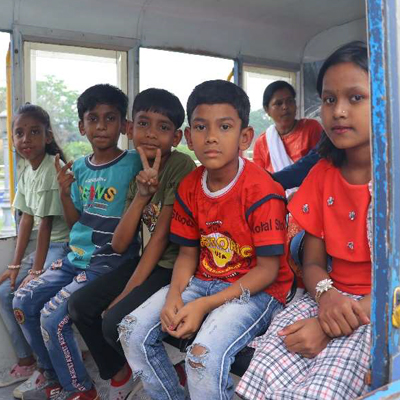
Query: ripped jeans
(41, 308)
(225, 331)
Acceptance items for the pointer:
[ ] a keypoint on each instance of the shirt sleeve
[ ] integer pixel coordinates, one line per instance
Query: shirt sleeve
(131, 193)
(19, 200)
(306, 204)
(267, 223)
(293, 175)
(184, 228)
(177, 173)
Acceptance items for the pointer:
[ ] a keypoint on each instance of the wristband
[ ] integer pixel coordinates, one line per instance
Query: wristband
(14, 266)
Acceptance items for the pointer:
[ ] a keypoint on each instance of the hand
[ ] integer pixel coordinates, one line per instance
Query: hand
(188, 319)
(65, 176)
(147, 179)
(340, 315)
(305, 337)
(10, 274)
(27, 279)
(173, 304)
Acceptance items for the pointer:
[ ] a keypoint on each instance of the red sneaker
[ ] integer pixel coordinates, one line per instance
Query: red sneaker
(86, 395)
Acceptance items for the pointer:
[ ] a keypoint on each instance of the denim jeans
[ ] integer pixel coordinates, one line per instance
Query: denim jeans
(21, 346)
(225, 331)
(41, 308)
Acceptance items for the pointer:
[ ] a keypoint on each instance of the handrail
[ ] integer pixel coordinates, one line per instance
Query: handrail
(9, 131)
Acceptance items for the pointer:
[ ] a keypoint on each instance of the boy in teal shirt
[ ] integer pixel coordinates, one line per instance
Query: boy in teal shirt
(93, 198)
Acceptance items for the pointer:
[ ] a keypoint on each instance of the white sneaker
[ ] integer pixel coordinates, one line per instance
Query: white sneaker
(30, 384)
(138, 386)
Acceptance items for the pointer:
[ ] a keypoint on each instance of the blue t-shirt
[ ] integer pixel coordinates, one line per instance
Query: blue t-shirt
(99, 194)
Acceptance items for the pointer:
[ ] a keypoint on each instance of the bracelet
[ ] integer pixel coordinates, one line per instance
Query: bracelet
(14, 266)
(322, 287)
(35, 273)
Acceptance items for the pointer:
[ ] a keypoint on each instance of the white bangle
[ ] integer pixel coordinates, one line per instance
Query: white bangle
(35, 273)
(14, 266)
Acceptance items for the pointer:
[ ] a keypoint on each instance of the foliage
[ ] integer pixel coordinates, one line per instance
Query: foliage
(184, 149)
(60, 102)
(74, 150)
(260, 121)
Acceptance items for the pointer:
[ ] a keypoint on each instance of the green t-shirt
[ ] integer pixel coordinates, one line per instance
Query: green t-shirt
(37, 195)
(176, 168)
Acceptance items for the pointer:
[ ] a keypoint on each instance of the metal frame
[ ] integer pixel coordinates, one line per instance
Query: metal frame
(381, 18)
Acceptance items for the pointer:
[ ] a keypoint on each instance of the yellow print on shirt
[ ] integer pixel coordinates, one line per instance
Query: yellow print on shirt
(223, 251)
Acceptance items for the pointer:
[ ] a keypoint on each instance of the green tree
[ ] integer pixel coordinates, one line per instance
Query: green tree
(74, 150)
(260, 121)
(60, 102)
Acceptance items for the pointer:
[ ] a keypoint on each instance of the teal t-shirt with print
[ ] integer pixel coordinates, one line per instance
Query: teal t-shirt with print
(99, 194)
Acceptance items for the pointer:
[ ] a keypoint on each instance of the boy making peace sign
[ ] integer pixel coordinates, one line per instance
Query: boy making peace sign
(157, 117)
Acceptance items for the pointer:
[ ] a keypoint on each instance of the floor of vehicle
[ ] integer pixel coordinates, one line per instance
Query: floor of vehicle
(102, 386)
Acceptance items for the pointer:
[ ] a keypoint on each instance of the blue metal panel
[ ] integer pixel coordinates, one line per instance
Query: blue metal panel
(387, 392)
(386, 174)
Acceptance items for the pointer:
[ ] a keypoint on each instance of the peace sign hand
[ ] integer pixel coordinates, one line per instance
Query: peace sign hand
(147, 179)
(65, 176)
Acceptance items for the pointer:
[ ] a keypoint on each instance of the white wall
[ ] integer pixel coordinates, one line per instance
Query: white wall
(323, 44)
(265, 29)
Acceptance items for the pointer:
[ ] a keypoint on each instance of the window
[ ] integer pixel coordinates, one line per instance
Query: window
(180, 73)
(255, 80)
(56, 75)
(7, 226)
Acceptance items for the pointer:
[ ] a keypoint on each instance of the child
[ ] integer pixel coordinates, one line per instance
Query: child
(319, 347)
(157, 117)
(37, 198)
(93, 199)
(229, 220)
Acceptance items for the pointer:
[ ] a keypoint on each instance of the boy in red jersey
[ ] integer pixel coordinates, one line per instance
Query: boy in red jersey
(229, 220)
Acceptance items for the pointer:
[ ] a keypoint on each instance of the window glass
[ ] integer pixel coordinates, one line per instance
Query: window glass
(56, 75)
(255, 80)
(180, 73)
(7, 225)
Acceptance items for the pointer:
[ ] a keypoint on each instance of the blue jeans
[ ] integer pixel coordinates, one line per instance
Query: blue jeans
(21, 346)
(41, 309)
(225, 331)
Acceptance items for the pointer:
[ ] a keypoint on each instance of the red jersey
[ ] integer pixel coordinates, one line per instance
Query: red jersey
(297, 143)
(330, 208)
(233, 226)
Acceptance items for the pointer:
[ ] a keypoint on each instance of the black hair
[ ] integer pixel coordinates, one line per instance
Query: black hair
(43, 117)
(102, 94)
(160, 101)
(220, 92)
(356, 53)
(274, 87)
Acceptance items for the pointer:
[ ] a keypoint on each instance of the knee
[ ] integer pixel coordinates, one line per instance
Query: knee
(54, 314)
(76, 307)
(110, 327)
(196, 357)
(125, 330)
(5, 292)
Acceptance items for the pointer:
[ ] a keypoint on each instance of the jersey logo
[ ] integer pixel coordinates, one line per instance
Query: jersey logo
(221, 254)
